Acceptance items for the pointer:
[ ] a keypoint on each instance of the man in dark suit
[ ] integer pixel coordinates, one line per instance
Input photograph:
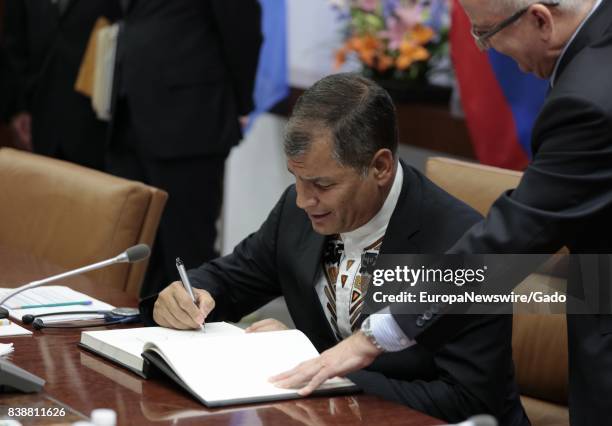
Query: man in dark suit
(45, 42)
(563, 199)
(352, 200)
(184, 77)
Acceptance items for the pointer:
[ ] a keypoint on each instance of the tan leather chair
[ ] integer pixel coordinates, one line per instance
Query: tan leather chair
(539, 341)
(70, 216)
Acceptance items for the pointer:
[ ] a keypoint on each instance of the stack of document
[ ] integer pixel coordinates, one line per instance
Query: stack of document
(50, 299)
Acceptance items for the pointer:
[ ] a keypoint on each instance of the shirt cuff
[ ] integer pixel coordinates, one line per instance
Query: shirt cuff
(387, 333)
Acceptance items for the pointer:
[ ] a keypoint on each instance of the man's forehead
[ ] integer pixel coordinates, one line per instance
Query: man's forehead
(311, 168)
(317, 164)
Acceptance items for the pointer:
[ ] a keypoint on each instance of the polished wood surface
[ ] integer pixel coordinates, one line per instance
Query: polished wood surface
(80, 381)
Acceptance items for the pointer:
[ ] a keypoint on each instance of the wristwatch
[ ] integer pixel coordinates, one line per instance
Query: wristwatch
(366, 329)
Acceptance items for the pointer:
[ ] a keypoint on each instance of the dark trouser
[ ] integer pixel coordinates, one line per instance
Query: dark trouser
(590, 369)
(195, 187)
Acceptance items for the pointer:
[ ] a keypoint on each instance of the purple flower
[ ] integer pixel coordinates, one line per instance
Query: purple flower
(368, 5)
(389, 7)
(396, 29)
(410, 16)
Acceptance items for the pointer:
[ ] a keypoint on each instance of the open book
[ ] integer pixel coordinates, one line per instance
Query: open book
(220, 365)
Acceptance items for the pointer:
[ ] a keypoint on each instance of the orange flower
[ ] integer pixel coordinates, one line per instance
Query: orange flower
(403, 62)
(365, 42)
(422, 34)
(340, 58)
(384, 63)
(410, 52)
(421, 54)
(407, 47)
(367, 57)
(355, 43)
(367, 48)
(371, 42)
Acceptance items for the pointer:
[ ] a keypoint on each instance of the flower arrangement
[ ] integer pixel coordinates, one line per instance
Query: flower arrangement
(394, 39)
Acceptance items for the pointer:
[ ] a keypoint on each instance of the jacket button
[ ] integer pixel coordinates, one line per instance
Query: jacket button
(420, 322)
(427, 315)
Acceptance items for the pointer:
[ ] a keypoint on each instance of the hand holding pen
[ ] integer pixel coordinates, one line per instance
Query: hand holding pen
(182, 307)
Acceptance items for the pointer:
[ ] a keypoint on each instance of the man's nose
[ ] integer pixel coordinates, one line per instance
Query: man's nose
(305, 196)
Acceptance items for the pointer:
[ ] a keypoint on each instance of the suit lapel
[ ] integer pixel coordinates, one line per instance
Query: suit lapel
(405, 221)
(310, 250)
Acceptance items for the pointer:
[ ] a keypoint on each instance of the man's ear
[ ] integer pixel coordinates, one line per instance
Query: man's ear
(541, 17)
(383, 166)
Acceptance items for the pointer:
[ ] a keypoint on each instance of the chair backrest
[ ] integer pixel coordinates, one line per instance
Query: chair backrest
(71, 216)
(539, 341)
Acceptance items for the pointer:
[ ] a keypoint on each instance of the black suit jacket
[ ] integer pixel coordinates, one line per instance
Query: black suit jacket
(565, 195)
(471, 374)
(187, 69)
(45, 49)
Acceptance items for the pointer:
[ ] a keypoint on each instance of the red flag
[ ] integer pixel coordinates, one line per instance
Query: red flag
(489, 117)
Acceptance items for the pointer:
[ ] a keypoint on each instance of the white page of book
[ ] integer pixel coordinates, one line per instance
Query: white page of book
(238, 367)
(126, 345)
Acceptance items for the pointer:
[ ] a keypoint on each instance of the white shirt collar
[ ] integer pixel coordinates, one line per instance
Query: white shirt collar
(567, 45)
(355, 241)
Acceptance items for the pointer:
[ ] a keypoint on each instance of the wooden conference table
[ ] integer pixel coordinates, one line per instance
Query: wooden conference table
(78, 382)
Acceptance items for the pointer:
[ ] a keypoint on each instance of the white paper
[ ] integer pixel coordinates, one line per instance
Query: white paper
(13, 330)
(52, 294)
(6, 348)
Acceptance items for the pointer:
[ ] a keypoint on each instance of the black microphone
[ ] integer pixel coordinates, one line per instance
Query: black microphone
(133, 254)
(137, 253)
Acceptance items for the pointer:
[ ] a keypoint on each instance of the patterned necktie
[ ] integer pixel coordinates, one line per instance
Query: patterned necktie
(335, 280)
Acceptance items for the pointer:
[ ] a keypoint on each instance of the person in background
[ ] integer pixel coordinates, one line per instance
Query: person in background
(45, 41)
(184, 77)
